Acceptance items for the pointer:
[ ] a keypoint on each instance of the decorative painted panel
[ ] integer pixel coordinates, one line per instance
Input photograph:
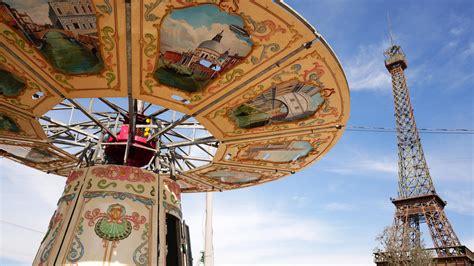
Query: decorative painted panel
(172, 197)
(115, 219)
(58, 225)
(37, 155)
(193, 52)
(15, 125)
(288, 153)
(21, 90)
(223, 177)
(74, 46)
(304, 94)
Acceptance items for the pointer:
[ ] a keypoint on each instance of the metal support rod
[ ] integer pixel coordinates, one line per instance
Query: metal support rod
(179, 148)
(193, 158)
(208, 248)
(65, 142)
(114, 107)
(146, 107)
(159, 112)
(131, 101)
(48, 119)
(157, 157)
(98, 147)
(171, 126)
(172, 159)
(191, 142)
(86, 113)
(188, 163)
(189, 138)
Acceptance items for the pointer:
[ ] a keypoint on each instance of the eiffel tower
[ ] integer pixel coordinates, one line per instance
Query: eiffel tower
(417, 200)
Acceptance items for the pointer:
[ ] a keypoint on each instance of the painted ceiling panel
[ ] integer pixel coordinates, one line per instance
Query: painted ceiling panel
(15, 125)
(192, 53)
(216, 177)
(290, 152)
(41, 156)
(74, 48)
(309, 91)
(23, 90)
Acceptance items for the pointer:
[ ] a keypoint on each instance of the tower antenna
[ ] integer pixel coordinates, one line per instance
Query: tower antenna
(390, 28)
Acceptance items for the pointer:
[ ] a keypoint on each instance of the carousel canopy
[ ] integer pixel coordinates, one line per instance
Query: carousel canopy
(220, 94)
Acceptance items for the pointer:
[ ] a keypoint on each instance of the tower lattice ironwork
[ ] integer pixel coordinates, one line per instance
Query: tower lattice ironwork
(417, 200)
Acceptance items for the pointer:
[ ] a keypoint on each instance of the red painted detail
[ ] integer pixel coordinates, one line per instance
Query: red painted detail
(172, 57)
(173, 187)
(123, 173)
(138, 155)
(73, 176)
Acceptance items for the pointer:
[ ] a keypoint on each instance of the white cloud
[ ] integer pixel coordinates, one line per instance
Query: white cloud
(460, 201)
(364, 164)
(366, 70)
(338, 206)
(449, 167)
(457, 30)
(39, 13)
(28, 199)
(300, 201)
(248, 232)
(469, 243)
(469, 50)
(291, 256)
(36, 9)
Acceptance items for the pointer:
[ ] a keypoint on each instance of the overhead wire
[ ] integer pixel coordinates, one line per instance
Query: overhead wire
(462, 131)
(22, 227)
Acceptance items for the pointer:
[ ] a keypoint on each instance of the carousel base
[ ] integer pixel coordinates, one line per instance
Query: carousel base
(116, 215)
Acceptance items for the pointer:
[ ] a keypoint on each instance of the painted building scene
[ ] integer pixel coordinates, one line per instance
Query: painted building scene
(235, 177)
(199, 43)
(31, 154)
(286, 102)
(10, 84)
(64, 31)
(277, 152)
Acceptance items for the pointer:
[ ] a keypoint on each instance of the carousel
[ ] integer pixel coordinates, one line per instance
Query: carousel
(137, 102)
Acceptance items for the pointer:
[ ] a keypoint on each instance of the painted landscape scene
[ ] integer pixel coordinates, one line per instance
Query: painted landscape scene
(198, 44)
(285, 102)
(278, 153)
(31, 154)
(64, 31)
(10, 84)
(6, 123)
(228, 176)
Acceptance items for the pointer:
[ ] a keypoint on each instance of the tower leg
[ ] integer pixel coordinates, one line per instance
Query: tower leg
(444, 238)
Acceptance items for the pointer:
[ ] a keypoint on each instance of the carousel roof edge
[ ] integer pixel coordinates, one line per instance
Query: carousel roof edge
(288, 8)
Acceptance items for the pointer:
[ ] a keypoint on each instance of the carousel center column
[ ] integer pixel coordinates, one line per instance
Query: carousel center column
(107, 215)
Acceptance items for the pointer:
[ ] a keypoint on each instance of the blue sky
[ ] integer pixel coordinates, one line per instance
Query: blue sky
(331, 212)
